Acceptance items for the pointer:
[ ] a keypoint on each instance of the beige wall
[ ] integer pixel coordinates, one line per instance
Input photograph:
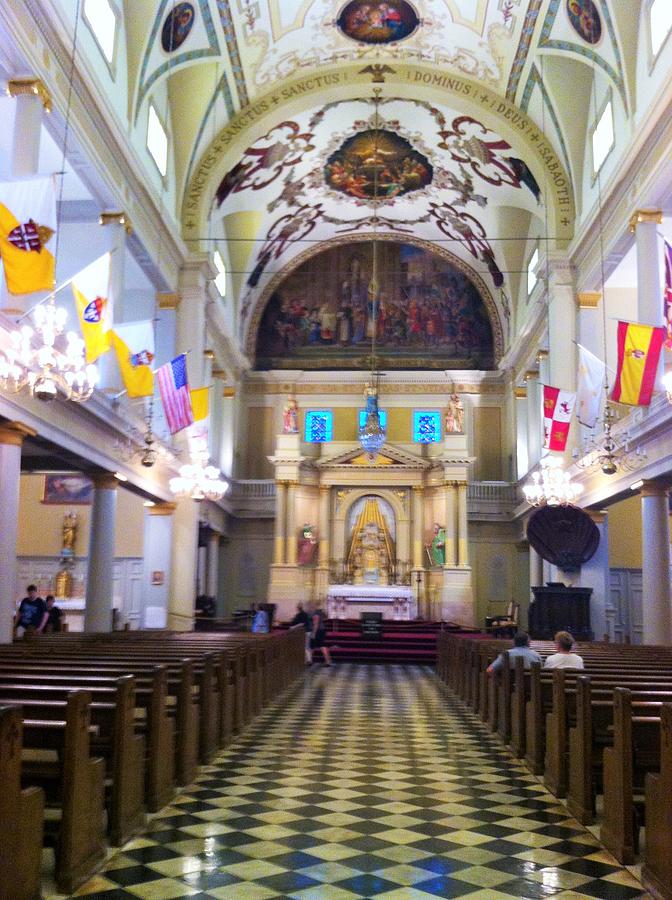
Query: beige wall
(260, 443)
(40, 524)
(625, 534)
(500, 570)
(245, 563)
(488, 443)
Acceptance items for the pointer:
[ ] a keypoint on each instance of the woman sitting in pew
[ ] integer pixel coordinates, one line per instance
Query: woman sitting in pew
(563, 658)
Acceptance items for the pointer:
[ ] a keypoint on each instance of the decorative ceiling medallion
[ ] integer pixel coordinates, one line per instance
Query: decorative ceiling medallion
(585, 20)
(377, 157)
(378, 23)
(177, 26)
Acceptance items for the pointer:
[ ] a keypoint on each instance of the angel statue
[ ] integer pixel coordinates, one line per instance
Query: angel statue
(455, 416)
(290, 417)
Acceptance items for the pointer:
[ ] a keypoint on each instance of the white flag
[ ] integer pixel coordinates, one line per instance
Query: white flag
(590, 388)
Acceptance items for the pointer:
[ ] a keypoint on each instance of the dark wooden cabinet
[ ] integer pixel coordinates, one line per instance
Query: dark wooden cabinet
(559, 608)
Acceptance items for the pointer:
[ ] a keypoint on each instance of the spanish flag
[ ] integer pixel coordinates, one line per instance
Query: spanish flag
(133, 344)
(91, 288)
(639, 349)
(27, 228)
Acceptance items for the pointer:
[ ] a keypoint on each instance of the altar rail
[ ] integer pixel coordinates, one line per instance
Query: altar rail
(486, 500)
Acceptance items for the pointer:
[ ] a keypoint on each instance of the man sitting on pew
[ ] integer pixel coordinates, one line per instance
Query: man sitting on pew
(32, 613)
(563, 658)
(521, 647)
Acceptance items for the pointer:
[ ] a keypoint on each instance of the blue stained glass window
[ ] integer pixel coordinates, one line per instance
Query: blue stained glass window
(382, 413)
(427, 426)
(319, 426)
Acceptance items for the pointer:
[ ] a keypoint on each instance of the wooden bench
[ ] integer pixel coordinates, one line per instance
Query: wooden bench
(21, 814)
(657, 868)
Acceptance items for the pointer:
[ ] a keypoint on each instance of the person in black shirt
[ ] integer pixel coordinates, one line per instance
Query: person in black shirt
(55, 615)
(302, 618)
(32, 613)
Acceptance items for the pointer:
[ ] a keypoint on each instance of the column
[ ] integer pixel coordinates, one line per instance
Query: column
(100, 568)
(451, 524)
(290, 534)
(536, 569)
(562, 334)
(595, 574)
(213, 565)
(32, 100)
(418, 523)
(644, 224)
(280, 514)
(195, 277)
(657, 618)
(183, 566)
(534, 424)
(520, 400)
(462, 526)
(12, 435)
(156, 570)
(323, 549)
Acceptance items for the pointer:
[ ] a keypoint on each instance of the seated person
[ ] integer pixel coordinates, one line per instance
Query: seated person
(563, 658)
(54, 613)
(31, 614)
(521, 647)
(260, 621)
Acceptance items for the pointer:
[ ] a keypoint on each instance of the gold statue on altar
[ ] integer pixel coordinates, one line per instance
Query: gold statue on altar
(64, 581)
(371, 556)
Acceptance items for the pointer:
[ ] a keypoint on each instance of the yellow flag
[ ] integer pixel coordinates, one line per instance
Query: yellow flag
(27, 227)
(91, 288)
(134, 346)
(200, 405)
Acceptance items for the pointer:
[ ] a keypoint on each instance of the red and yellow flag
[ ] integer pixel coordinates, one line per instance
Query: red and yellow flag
(639, 349)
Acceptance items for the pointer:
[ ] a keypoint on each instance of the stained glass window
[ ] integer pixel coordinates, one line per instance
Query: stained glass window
(426, 426)
(319, 426)
(382, 413)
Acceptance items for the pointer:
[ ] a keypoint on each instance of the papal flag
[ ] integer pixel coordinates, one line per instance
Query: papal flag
(558, 408)
(27, 228)
(590, 390)
(639, 349)
(200, 403)
(133, 343)
(91, 288)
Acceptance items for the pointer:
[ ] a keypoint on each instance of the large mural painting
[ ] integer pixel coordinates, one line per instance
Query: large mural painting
(426, 312)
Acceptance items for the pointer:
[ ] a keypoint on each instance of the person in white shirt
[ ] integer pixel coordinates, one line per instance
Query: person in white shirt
(563, 658)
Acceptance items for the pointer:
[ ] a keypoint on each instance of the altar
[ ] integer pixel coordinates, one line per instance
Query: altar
(394, 601)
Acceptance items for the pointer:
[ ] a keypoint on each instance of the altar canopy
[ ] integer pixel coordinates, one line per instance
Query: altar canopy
(371, 556)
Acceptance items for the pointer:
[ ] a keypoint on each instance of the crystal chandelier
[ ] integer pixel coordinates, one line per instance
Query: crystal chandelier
(610, 453)
(551, 486)
(371, 433)
(199, 482)
(33, 359)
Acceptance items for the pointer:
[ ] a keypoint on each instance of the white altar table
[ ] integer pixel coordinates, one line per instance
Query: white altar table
(347, 601)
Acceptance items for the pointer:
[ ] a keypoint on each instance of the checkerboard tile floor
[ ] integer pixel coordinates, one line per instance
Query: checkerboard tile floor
(365, 781)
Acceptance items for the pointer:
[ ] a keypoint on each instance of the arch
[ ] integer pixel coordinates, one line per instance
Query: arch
(347, 82)
(492, 309)
(386, 494)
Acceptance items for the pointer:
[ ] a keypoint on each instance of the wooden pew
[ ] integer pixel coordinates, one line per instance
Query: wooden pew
(21, 815)
(657, 868)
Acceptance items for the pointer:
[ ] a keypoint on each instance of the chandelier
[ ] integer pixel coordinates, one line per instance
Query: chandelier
(371, 433)
(46, 361)
(610, 453)
(199, 482)
(552, 485)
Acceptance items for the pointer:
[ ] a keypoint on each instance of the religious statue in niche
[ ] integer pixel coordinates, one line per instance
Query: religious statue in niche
(290, 417)
(377, 163)
(455, 416)
(307, 545)
(64, 581)
(177, 26)
(378, 23)
(437, 549)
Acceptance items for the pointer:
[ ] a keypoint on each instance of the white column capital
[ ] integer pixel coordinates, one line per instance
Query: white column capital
(30, 87)
(560, 269)
(654, 489)
(196, 272)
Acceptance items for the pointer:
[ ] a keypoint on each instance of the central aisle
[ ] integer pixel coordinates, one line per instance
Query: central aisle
(365, 781)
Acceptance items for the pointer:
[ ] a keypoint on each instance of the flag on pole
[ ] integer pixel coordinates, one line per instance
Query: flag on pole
(667, 294)
(27, 228)
(91, 288)
(558, 408)
(134, 345)
(174, 390)
(200, 403)
(639, 348)
(590, 387)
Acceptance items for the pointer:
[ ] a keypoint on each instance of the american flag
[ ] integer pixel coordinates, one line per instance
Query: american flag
(174, 390)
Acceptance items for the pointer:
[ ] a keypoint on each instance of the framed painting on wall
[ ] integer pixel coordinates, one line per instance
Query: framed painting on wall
(68, 490)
